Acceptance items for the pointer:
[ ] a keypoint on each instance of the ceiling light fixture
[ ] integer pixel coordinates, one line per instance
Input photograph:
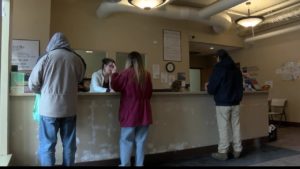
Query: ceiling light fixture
(147, 4)
(89, 51)
(249, 21)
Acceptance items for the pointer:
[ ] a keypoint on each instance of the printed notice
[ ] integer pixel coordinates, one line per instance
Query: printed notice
(164, 77)
(172, 45)
(155, 71)
(25, 53)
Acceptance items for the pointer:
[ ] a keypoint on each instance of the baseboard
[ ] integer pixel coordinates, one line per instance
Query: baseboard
(287, 124)
(155, 159)
(292, 124)
(5, 160)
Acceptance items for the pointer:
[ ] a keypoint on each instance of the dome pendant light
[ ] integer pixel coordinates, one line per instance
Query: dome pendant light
(249, 21)
(147, 4)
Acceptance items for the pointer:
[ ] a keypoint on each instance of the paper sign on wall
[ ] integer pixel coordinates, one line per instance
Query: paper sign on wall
(155, 71)
(25, 53)
(289, 71)
(164, 77)
(172, 45)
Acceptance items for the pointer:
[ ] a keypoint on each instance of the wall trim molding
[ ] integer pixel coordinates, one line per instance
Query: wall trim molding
(5, 160)
(285, 124)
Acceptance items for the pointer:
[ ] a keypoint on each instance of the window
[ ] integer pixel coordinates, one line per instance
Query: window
(93, 60)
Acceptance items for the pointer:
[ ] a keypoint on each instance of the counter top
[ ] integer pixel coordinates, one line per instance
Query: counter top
(154, 93)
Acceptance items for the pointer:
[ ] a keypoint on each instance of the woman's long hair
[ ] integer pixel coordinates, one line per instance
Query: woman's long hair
(135, 61)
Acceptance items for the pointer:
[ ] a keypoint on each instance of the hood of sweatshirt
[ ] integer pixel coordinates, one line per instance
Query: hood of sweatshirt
(57, 41)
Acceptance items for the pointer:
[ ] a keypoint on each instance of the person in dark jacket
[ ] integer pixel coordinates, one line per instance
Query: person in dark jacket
(226, 84)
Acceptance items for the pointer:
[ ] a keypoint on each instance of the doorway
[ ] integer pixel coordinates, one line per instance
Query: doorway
(195, 80)
(202, 59)
(200, 68)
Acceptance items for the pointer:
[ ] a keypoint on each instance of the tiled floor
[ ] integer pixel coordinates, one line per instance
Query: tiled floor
(285, 151)
(288, 138)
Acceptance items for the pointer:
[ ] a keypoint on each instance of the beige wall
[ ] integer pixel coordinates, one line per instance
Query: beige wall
(268, 55)
(31, 20)
(127, 32)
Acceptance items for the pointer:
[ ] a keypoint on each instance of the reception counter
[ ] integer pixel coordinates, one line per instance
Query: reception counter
(182, 120)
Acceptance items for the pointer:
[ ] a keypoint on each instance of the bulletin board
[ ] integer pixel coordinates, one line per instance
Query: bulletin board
(25, 53)
(289, 70)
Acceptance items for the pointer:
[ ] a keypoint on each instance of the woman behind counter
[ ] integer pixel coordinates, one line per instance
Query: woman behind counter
(135, 114)
(101, 80)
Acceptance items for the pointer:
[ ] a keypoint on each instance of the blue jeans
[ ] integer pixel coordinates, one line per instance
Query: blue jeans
(130, 137)
(48, 129)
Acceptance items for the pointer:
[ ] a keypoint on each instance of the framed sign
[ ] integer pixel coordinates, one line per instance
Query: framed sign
(172, 45)
(25, 53)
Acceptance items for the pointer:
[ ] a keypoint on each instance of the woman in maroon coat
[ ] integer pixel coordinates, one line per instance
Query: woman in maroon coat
(135, 116)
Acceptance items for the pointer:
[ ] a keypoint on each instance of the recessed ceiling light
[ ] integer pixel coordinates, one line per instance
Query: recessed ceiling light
(211, 48)
(89, 51)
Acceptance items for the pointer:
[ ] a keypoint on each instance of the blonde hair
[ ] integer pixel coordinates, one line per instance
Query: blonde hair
(134, 60)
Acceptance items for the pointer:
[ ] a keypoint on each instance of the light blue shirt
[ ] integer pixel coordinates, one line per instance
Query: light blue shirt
(98, 81)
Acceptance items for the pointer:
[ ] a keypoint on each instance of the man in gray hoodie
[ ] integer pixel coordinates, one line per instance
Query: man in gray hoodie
(56, 76)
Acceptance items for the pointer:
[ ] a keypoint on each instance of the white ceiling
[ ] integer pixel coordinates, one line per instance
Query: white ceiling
(195, 3)
(202, 49)
(256, 5)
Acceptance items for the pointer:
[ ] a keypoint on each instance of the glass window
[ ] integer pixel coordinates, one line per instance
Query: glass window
(93, 60)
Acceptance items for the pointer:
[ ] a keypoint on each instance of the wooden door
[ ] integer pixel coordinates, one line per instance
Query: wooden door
(205, 74)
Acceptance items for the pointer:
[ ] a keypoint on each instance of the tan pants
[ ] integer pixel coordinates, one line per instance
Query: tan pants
(228, 118)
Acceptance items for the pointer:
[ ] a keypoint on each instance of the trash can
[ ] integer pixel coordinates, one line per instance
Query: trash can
(272, 132)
